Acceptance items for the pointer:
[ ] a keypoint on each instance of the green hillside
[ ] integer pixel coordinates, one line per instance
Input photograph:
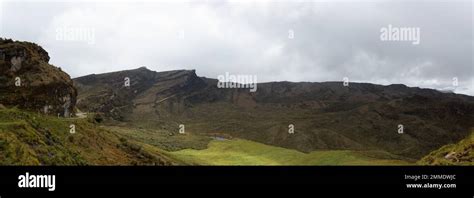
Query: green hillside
(452, 154)
(32, 139)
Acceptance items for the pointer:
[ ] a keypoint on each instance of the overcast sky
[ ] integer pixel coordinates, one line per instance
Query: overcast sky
(275, 40)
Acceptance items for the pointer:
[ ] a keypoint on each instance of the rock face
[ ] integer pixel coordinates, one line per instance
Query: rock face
(29, 82)
(325, 115)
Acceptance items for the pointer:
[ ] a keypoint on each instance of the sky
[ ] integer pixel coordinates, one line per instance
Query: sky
(274, 40)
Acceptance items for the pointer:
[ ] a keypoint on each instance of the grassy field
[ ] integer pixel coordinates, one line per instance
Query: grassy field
(243, 152)
(162, 139)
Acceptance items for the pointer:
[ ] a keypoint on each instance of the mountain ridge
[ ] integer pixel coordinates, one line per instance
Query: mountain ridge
(327, 115)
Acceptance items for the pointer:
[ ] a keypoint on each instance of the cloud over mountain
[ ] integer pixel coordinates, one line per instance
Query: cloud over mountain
(330, 40)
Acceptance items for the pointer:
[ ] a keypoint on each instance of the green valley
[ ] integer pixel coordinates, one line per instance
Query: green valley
(244, 152)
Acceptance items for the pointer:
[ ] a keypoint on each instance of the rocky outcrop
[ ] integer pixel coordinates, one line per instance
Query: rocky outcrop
(29, 82)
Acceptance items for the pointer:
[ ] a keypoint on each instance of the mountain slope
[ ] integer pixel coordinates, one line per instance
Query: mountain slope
(325, 115)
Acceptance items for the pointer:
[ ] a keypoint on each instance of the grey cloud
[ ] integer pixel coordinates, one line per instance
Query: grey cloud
(332, 40)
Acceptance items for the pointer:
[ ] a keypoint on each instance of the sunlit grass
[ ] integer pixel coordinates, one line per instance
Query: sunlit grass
(243, 152)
